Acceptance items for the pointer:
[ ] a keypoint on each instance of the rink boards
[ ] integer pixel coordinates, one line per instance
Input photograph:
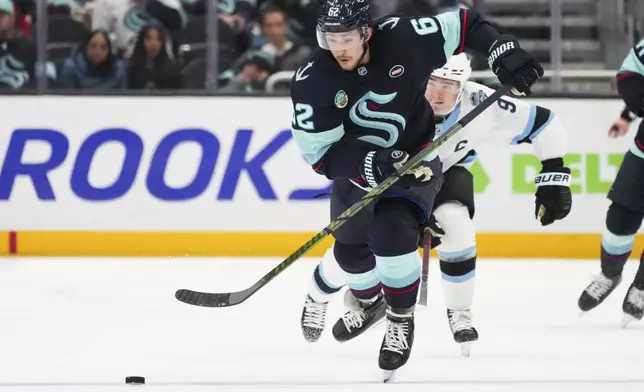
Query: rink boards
(209, 176)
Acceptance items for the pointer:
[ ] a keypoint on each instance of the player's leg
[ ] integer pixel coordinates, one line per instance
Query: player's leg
(393, 238)
(623, 220)
(631, 89)
(633, 175)
(457, 252)
(326, 280)
(624, 216)
(364, 299)
(633, 305)
(352, 254)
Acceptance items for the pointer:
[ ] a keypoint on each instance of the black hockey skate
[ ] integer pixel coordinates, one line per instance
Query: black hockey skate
(633, 305)
(313, 319)
(361, 317)
(597, 291)
(396, 345)
(460, 322)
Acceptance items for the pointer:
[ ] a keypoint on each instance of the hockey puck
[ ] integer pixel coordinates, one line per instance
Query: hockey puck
(135, 380)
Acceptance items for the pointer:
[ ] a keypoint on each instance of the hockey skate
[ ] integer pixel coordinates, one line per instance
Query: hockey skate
(313, 319)
(633, 305)
(597, 291)
(361, 316)
(397, 343)
(460, 322)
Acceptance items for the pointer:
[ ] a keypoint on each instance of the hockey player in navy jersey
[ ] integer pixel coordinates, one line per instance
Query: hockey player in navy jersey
(511, 121)
(359, 114)
(625, 214)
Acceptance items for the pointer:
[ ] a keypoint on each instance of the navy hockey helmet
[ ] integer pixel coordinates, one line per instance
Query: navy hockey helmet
(341, 16)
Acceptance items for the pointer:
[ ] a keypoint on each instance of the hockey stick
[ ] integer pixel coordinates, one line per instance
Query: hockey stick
(217, 300)
(424, 272)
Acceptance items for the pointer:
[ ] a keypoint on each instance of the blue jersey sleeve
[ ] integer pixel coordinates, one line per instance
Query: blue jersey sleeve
(317, 125)
(634, 61)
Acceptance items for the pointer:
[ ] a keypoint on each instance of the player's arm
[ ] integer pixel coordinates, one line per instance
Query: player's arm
(520, 122)
(439, 37)
(318, 130)
(630, 80)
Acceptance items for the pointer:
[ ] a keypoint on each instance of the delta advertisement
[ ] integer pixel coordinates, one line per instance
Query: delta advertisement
(222, 176)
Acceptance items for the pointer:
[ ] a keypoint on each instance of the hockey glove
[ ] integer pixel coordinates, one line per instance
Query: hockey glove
(513, 65)
(378, 165)
(435, 233)
(553, 197)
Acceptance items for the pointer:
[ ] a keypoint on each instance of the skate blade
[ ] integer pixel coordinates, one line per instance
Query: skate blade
(466, 349)
(627, 320)
(388, 375)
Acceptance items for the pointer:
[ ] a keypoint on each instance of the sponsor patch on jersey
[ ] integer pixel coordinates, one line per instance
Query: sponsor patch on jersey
(396, 71)
(341, 99)
(478, 97)
(362, 71)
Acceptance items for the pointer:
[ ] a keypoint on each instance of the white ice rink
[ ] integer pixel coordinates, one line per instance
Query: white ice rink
(86, 324)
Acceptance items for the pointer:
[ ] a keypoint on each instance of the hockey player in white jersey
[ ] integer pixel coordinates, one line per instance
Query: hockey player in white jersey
(511, 121)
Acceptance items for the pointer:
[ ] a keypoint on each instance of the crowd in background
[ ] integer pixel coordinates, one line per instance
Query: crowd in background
(162, 44)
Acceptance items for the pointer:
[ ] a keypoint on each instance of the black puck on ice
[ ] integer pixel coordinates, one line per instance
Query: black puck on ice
(135, 380)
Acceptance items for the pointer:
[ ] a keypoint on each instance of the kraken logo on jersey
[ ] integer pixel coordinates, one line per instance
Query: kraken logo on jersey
(13, 72)
(363, 111)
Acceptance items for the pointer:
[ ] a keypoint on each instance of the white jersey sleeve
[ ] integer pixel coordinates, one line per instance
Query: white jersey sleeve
(509, 121)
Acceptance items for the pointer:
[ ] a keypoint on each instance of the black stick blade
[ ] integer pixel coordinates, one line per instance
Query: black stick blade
(208, 300)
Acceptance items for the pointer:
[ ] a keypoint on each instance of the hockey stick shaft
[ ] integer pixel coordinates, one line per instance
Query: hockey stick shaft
(230, 299)
(424, 272)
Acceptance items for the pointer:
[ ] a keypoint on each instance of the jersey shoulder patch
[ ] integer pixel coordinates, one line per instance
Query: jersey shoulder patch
(477, 97)
(476, 93)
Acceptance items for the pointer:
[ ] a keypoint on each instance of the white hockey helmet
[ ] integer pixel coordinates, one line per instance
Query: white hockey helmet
(457, 68)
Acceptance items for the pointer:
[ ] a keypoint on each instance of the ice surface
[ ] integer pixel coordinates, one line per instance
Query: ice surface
(85, 324)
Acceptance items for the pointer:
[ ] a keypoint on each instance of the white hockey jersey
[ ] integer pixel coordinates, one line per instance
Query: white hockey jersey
(509, 121)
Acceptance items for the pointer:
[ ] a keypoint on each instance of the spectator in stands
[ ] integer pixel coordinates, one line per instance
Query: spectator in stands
(302, 19)
(126, 18)
(17, 53)
(152, 64)
(93, 66)
(24, 16)
(254, 71)
(78, 9)
(243, 9)
(288, 55)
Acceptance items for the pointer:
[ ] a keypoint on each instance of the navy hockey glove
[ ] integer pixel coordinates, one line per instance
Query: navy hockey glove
(553, 197)
(378, 165)
(513, 65)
